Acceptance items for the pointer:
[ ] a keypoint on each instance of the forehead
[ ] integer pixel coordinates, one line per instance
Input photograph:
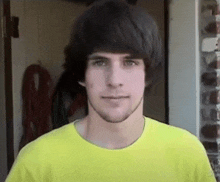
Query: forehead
(109, 54)
(113, 55)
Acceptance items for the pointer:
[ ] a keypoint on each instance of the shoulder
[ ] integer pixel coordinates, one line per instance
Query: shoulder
(175, 137)
(50, 143)
(166, 130)
(182, 149)
(177, 142)
(36, 159)
(63, 133)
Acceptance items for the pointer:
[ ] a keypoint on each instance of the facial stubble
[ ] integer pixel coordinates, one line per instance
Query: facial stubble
(108, 118)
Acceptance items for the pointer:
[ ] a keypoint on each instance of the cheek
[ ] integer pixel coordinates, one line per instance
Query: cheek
(137, 82)
(138, 77)
(90, 85)
(93, 81)
(95, 76)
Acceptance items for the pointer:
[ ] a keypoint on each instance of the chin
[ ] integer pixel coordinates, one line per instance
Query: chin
(115, 118)
(115, 115)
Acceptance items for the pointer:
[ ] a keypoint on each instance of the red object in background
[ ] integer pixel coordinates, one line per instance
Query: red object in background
(36, 103)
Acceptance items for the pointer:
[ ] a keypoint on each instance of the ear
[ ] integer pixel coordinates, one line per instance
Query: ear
(148, 83)
(82, 83)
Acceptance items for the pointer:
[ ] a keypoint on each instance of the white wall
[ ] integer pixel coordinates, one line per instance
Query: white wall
(184, 58)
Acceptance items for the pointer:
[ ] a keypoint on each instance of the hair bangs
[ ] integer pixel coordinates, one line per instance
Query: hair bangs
(119, 35)
(116, 27)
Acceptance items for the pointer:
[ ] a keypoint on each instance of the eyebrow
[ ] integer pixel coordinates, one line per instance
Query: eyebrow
(91, 57)
(133, 57)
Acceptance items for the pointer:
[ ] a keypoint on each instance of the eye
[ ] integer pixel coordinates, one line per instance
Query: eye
(99, 62)
(130, 62)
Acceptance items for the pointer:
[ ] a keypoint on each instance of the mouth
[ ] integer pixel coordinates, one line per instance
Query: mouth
(115, 97)
(115, 101)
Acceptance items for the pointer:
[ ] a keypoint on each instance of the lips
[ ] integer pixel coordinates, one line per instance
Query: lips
(115, 97)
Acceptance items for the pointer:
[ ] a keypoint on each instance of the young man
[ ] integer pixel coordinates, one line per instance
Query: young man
(112, 55)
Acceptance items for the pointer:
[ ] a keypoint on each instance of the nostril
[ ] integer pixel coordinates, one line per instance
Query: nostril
(114, 85)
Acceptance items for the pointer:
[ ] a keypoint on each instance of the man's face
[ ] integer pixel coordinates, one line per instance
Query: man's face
(115, 85)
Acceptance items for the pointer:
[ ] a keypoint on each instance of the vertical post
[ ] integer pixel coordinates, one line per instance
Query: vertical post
(8, 83)
(3, 141)
(166, 57)
(184, 65)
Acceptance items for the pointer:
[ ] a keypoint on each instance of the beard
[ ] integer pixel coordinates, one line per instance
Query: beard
(111, 119)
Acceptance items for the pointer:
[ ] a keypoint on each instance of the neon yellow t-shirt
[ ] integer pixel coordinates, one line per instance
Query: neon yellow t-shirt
(163, 153)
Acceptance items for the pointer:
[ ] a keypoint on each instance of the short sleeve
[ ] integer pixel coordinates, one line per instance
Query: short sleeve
(198, 158)
(204, 169)
(29, 164)
(20, 172)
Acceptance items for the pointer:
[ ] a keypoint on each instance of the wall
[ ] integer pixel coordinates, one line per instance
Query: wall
(210, 81)
(184, 65)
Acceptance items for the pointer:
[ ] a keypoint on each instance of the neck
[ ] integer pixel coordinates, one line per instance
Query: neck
(112, 135)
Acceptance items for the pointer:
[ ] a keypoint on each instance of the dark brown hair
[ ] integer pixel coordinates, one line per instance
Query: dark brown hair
(113, 26)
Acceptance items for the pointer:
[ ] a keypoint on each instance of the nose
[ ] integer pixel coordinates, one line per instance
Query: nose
(114, 77)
